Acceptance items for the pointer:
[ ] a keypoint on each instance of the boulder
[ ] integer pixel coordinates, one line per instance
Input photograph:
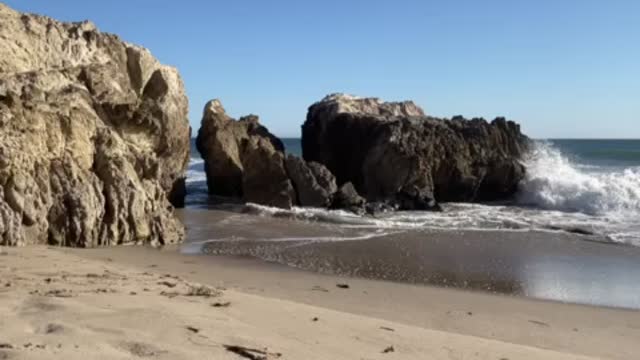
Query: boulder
(347, 198)
(94, 137)
(313, 182)
(243, 159)
(394, 153)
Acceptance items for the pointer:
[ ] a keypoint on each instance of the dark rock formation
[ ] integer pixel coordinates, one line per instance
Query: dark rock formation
(313, 183)
(243, 159)
(348, 198)
(94, 137)
(394, 153)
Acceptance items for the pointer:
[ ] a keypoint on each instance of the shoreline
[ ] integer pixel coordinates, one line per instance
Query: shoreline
(546, 265)
(65, 303)
(568, 328)
(482, 243)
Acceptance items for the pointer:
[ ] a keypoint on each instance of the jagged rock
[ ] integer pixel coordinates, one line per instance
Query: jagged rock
(243, 159)
(94, 137)
(323, 177)
(348, 198)
(394, 153)
(314, 184)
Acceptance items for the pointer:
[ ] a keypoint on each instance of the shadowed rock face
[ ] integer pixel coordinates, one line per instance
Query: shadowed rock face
(348, 198)
(243, 159)
(94, 137)
(393, 152)
(314, 183)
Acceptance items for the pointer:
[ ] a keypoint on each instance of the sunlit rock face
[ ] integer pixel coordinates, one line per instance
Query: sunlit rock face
(393, 152)
(94, 137)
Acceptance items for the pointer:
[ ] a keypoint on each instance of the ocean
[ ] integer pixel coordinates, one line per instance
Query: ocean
(578, 186)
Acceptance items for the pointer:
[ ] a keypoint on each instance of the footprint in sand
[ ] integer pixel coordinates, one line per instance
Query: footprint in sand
(38, 305)
(50, 329)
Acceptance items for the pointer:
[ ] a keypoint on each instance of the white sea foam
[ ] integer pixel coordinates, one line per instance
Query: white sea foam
(604, 199)
(305, 239)
(554, 182)
(195, 171)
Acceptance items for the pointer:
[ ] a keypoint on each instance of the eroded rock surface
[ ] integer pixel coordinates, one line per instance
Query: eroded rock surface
(243, 159)
(94, 137)
(394, 153)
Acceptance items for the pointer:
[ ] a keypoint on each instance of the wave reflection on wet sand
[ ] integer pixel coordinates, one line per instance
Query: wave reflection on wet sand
(545, 265)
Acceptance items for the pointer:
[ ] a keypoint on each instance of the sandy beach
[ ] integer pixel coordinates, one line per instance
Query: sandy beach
(76, 304)
(297, 181)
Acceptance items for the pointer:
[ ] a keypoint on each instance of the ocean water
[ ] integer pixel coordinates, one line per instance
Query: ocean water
(585, 186)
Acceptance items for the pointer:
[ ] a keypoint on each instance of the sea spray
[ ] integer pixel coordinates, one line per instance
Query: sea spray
(555, 182)
(195, 171)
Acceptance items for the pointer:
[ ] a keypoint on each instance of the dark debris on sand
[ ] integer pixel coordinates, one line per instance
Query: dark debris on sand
(167, 284)
(203, 291)
(221, 304)
(251, 354)
(389, 349)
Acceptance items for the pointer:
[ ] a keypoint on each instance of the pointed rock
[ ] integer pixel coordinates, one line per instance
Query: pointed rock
(243, 159)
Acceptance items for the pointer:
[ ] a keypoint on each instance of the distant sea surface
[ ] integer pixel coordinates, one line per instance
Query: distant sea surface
(588, 186)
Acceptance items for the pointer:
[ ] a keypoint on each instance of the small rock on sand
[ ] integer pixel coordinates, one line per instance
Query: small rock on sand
(221, 304)
(389, 349)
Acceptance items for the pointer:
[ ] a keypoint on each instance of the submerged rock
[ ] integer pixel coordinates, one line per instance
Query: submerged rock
(94, 137)
(243, 159)
(394, 153)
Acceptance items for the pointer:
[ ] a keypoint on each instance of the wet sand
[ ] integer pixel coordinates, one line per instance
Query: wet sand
(544, 265)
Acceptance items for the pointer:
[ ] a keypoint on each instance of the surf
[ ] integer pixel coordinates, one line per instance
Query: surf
(555, 182)
(559, 193)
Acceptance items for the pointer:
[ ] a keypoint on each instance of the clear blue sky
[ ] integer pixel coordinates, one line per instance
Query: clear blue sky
(562, 68)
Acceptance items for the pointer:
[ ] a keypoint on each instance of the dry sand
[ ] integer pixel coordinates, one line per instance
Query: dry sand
(55, 304)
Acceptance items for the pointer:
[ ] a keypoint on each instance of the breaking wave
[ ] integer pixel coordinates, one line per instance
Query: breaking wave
(555, 182)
